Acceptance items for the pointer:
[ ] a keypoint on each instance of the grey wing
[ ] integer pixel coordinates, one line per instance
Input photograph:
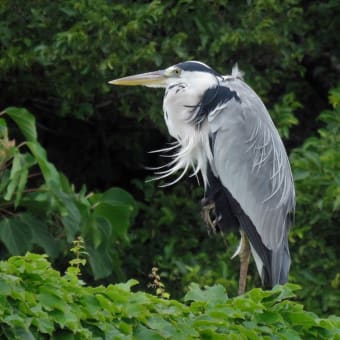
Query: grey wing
(250, 160)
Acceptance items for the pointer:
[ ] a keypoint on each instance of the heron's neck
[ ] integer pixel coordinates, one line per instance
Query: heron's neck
(193, 141)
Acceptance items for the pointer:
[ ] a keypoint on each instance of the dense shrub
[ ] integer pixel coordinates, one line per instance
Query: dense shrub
(56, 59)
(315, 249)
(40, 209)
(37, 301)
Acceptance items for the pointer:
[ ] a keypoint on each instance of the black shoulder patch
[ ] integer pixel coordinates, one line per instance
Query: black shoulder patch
(196, 66)
(211, 98)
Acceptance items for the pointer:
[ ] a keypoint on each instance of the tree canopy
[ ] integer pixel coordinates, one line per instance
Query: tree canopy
(56, 59)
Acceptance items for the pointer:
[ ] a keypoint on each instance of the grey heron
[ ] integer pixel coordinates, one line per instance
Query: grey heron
(224, 132)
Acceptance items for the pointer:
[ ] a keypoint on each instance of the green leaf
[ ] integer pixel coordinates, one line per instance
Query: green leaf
(21, 187)
(44, 325)
(20, 232)
(211, 295)
(269, 317)
(15, 235)
(100, 232)
(18, 176)
(301, 174)
(23, 333)
(117, 216)
(70, 214)
(127, 285)
(51, 301)
(48, 170)
(334, 97)
(115, 197)
(290, 334)
(25, 121)
(101, 261)
(5, 288)
(13, 179)
(306, 319)
(143, 332)
(40, 234)
(163, 327)
(286, 291)
(118, 196)
(3, 128)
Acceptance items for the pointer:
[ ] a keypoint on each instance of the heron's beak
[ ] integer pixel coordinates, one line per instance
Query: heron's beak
(151, 79)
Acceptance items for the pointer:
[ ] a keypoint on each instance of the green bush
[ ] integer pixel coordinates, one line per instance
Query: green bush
(56, 59)
(314, 239)
(40, 209)
(36, 301)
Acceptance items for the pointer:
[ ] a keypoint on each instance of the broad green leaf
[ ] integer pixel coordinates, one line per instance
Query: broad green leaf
(4, 179)
(40, 234)
(16, 165)
(100, 232)
(11, 189)
(286, 291)
(21, 187)
(23, 333)
(25, 121)
(306, 319)
(15, 235)
(300, 174)
(44, 324)
(143, 332)
(101, 261)
(18, 176)
(118, 217)
(163, 327)
(211, 295)
(117, 196)
(14, 178)
(48, 170)
(289, 334)
(127, 285)
(5, 288)
(258, 294)
(69, 211)
(268, 317)
(334, 97)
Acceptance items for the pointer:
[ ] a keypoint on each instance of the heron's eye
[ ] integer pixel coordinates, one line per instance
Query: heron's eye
(177, 71)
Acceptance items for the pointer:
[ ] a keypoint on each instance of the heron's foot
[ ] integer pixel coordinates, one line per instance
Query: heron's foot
(209, 215)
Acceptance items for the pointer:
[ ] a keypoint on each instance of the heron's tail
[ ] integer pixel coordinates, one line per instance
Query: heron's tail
(280, 264)
(274, 270)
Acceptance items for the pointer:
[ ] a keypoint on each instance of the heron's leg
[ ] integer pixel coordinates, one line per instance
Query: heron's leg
(244, 262)
(208, 209)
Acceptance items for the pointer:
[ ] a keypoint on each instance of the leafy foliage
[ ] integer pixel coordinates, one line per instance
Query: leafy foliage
(56, 59)
(195, 256)
(316, 166)
(91, 43)
(40, 208)
(283, 114)
(36, 301)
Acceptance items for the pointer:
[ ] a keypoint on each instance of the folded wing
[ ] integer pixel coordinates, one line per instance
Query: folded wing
(250, 161)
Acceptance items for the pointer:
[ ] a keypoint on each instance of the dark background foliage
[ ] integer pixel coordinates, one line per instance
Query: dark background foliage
(56, 59)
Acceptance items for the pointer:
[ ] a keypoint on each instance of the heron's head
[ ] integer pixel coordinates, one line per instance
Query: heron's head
(191, 73)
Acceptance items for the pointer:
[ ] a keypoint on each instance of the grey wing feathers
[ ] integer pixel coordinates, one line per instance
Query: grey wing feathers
(251, 162)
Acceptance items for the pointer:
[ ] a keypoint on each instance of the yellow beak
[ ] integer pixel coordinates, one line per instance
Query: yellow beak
(152, 79)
